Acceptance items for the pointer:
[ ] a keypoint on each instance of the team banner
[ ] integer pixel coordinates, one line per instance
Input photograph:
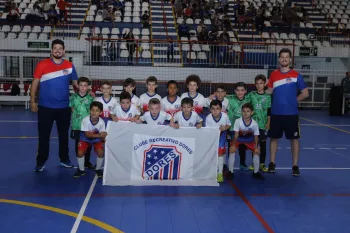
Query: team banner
(139, 154)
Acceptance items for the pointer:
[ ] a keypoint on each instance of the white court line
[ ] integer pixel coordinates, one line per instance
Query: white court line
(83, 207)
(341, 148)
(308, 148)
(323, 125)
(309, 168)
(323, 148)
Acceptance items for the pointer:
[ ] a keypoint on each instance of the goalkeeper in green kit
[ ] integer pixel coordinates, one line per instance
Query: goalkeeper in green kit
(235, 103)
(261, 102)
(80, 105)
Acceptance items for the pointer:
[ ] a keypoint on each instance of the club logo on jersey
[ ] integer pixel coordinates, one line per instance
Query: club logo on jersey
(190, 124)
(177, 106)
(288, 80)
(65, 72)
(263, 100)
(161, 162)
(195, 103)
(130, 115)
(159, 123)
(110, 108)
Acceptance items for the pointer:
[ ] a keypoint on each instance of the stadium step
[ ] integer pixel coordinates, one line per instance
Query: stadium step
(163, 28)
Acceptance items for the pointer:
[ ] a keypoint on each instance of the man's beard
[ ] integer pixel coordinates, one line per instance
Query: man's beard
(57, 57)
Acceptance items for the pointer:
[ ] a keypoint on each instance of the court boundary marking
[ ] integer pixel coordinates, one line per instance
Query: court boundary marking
(325, 125)
(92, 221)
(84, 205)
(252, 208)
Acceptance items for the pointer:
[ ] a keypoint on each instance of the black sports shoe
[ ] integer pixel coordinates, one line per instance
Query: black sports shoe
(272, 168)
(225, 168)
(79, 173)
(229, 175)
(89, 166)
(295, 171)
(99, 173)
(258, 176)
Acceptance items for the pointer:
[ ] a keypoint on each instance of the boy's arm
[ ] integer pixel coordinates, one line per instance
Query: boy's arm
(135, 118)
(233, 142)
(114, 117)
(199, 125)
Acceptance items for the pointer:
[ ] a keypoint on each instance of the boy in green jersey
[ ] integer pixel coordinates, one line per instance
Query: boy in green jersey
(80, 104)
(261, 102)
(235, 103)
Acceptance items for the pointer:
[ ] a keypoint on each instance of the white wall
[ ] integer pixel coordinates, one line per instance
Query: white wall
(319, 63)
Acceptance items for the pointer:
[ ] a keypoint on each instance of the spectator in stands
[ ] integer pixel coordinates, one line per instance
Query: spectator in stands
(145, 19)
(178, 8)
(13, 14)
(108, 15)
(183, 30)
(259, 22)
(8, 6)
(119, 6)
(203, 35)
(97, 3)
(345, 84)
(188, 11)
(52, 15)
(130, 43)
(241, 16)
(54, 75)
(170, 50)
(36, 14)
(62, 6)
(200, 27)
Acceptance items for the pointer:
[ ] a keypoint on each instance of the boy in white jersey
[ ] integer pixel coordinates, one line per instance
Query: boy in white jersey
(187, 117)
(219, 94)
(155, 116)
(171, 103)
(193, 82)
(246, 132)
(129, 85)
(219, 119)
(107, 101)
(125, 111)
(151, 84)
(93, 133)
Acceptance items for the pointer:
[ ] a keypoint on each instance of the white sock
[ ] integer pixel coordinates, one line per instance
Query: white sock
(220, 164)
(81, 163)
(231, 162)
(225, 158)
(256, 163)
(99, 162)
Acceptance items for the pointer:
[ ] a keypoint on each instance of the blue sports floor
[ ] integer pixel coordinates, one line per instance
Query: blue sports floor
(53, 201)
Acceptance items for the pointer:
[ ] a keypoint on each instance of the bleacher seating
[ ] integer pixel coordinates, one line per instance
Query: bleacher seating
(5, 94)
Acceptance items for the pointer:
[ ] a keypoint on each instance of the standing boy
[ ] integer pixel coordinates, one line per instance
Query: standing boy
(261, 102)
(129, 85)
(93, 133)
(108, 102)
(80, 105)
(219, 119)
(246, 133)
(151, 84)
(171, 103)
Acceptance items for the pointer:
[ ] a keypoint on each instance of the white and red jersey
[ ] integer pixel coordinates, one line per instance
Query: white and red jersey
(136, 101)
(246, 131)
(88, 126)
(108, 105)
(125, 115)
(210, 121)
(199, 102)
(171, 107)
(224, 104)
(159, 120)
(145, 97)
(192, 121)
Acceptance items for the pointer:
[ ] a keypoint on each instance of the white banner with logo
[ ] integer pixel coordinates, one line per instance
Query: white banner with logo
(139, 154)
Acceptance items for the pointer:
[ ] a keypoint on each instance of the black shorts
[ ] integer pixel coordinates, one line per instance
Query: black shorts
(289, 124)
(262, 135)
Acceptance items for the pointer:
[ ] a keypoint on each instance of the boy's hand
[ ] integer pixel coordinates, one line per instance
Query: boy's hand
(232, 149)
(175, 126)
(198, 126)
(257, 151)
(103, 134)
(92, 94)
(134, 119)
(211, 97)
(222, 128)
(267, 126)
(139, 121)
(115, 119)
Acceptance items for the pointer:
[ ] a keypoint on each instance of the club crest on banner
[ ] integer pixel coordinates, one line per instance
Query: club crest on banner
(161, 162)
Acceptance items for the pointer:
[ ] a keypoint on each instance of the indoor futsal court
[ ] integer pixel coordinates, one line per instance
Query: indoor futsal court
(55, 202)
